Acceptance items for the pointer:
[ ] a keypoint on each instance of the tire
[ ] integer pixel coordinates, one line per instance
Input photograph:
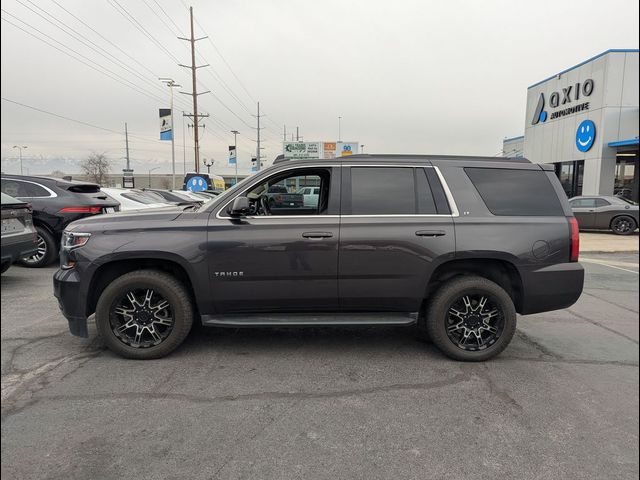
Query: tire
(623, 225)
(47, 250)
(163, 287)
(439, 319)
(5, 266)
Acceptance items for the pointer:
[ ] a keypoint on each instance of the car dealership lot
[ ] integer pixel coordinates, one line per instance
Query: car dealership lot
(560, 402)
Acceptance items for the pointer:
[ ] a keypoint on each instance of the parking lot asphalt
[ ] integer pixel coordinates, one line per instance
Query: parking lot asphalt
(326, 403)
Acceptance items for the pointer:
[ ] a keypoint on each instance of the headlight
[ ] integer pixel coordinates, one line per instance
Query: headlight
(70, 242)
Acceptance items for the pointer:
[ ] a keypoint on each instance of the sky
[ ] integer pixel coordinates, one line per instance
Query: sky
(405, 76)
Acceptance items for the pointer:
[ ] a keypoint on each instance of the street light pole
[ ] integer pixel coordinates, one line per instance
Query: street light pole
(339, 129)
(235, 149)
(362, 147)
(151, 170)
(172, 84)
(20, 147)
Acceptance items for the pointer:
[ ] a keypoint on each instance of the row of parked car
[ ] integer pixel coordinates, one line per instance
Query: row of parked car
(36, 210)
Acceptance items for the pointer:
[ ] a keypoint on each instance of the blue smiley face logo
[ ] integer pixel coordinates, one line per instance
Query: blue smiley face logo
(585, 135)
(197, 184)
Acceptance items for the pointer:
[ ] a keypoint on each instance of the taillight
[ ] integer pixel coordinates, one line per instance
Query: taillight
(575, 239)
(80, 210)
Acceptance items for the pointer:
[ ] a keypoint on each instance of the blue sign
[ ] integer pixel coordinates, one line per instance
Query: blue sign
(585, 135)
(197, 184)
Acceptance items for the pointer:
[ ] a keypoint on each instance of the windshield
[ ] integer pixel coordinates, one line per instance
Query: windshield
(627, 200)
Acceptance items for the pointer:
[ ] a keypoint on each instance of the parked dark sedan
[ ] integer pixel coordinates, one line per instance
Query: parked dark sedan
(56, 203)
(605, 213)
(18, 232)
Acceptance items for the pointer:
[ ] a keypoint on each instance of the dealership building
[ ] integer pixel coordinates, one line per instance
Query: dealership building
(584, 120)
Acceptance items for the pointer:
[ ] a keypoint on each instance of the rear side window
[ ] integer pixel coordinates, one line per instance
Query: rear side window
(601, 202)
(583, 203)
(17, 188)
(516, 192)
(390, 191)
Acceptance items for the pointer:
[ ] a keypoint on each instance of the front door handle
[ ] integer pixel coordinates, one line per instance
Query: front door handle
(430, 233)
(317, 234)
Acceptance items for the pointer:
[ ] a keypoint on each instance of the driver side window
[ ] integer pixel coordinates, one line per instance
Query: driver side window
(303, 191)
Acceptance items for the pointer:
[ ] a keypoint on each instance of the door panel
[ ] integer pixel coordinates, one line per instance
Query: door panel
(278, 263)
(384, 265)
(586, 217)
(395, 222)
(274, 264)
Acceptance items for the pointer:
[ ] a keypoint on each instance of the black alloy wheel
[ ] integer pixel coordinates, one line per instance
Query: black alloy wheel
(470, 318)
(474, 322)
(623, 225)
(141, 318)
(144, 314)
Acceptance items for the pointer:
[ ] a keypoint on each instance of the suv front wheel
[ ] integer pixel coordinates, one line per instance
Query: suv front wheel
(144, 314)
(471, 319)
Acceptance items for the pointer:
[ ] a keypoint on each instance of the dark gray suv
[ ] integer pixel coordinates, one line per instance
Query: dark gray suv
(454, 245)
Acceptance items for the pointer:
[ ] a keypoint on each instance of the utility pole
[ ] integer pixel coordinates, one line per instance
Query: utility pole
(20, 147)
(194, 93)
(258, 156)
(172, 84)
(184, 147)
(235, 148)
(126, 141)
(297, 134)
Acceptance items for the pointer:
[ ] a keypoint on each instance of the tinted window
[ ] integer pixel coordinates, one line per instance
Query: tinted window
(387, 191)
(601, 202)
(583, 203)
(515, 192)
(16, 188)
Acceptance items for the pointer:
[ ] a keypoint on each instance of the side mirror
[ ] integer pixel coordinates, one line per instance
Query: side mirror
(239, 207)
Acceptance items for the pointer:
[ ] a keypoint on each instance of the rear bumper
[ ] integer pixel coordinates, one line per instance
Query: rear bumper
(19, 246)
(552, 287)
(71, 300)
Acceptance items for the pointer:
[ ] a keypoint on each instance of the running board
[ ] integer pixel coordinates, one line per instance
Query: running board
(310, 319)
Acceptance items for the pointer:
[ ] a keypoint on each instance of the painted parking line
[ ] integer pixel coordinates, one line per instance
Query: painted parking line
(610, 265)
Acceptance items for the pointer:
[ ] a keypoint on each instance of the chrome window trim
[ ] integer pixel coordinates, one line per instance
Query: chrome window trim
(52, 194)
(443, 182)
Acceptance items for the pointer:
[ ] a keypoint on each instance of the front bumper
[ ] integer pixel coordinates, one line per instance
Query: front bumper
(552, 287)
(72, 300)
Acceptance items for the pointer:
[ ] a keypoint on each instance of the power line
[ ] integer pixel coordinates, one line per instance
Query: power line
(114, 60)
(97, 67)
(131, 19)
(81, 122)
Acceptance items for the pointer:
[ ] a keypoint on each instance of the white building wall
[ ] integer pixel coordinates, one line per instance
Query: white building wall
(613, 107)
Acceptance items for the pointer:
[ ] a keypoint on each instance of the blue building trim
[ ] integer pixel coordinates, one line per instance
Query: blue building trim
(613, 50)
(624, 143)
(521, 137)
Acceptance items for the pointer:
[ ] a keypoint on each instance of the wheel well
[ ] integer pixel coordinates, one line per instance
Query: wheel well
(108, 272)
(501, 272)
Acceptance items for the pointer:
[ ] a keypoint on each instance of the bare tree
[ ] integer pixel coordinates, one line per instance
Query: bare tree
(57, 174)
(96, 167)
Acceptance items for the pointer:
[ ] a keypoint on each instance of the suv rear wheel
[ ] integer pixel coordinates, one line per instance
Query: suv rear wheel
(144, 314)
(46, 253)
(471, 319)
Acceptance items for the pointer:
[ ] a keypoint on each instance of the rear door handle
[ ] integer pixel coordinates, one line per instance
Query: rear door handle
(317, 234)
(430, 233)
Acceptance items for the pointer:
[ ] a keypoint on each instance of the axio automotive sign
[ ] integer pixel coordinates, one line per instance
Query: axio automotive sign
(567, 102)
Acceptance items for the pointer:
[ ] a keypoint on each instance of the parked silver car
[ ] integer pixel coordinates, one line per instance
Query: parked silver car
(605, 213)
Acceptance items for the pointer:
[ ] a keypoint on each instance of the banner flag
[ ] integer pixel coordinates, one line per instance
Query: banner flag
(166, 124)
